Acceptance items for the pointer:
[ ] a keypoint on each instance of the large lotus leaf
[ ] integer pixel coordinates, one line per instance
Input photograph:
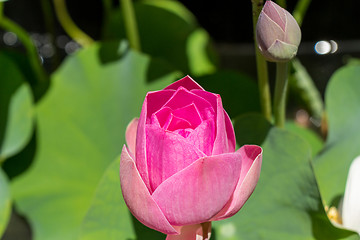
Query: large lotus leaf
(286, 203)
(108, 217)
(342, 102)
(315, 142)
(16, 109)
(168, 32)
(238, 91)
(5, 202)
(81, 125)
(251, 128)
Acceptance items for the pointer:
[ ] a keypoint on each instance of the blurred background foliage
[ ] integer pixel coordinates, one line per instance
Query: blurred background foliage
(70, 83)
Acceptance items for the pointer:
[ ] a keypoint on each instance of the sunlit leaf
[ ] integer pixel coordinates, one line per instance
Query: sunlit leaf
(81, 125)
(286, 203)
(108, 216)
(342, 146)
(314, 141)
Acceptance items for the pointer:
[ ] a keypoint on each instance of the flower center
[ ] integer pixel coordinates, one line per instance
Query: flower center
(333, 214)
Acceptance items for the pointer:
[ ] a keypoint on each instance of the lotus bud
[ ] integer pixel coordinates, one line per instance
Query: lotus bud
(277, 33)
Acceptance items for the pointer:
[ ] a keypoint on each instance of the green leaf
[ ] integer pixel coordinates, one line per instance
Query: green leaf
(16, 109)
(200, 54)
(5, 202)
(81, 126)
(342, 101)
(251, 128)
(315, 142)
(238, 91)
(108, 216)
(172, 36)
(303, 87)
(286, 203)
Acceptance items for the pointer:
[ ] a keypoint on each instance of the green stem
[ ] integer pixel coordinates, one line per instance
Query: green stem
(300, 10)
(281, 3)
(69, 26)
(130, 24)
(1, 10)
(107, 4)
(280, 93)
(261, 64)
(301, 83)
(49, 24)
(24, 37)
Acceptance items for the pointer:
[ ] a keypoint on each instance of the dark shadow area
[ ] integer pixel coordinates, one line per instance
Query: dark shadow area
(320, 222)
(21, 60)
(251, 128)
(158, 68)
(213, 234)
(111, 51)
(19, 163)
(7, 90)
(145, 233)
(238, 91)
(18, 228)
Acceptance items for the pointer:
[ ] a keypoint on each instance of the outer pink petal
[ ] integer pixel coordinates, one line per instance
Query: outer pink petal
(200, 191)
(140, 154)
(276, 12)
(250, 171)
(267, 31)
(138, 198)
(203, 136)
(186, 82)
(130, 135)
(192, 232)
(230, 132)
(167, 153)
(223, 144)
(215, 101)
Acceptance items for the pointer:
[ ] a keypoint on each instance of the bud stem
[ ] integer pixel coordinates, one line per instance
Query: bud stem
(130, 24)
(261, 65)
(69, 26)
(300, 10)
(25, 39)
(281, 3)
(280, 93)
(205, 228)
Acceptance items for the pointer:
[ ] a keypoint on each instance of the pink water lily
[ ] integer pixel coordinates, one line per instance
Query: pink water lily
(179, 170)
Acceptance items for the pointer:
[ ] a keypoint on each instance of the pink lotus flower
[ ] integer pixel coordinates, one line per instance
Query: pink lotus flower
(180, 170)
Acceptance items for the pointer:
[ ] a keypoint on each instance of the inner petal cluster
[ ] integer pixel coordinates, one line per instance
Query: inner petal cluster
(183, 112)
(178, 133)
